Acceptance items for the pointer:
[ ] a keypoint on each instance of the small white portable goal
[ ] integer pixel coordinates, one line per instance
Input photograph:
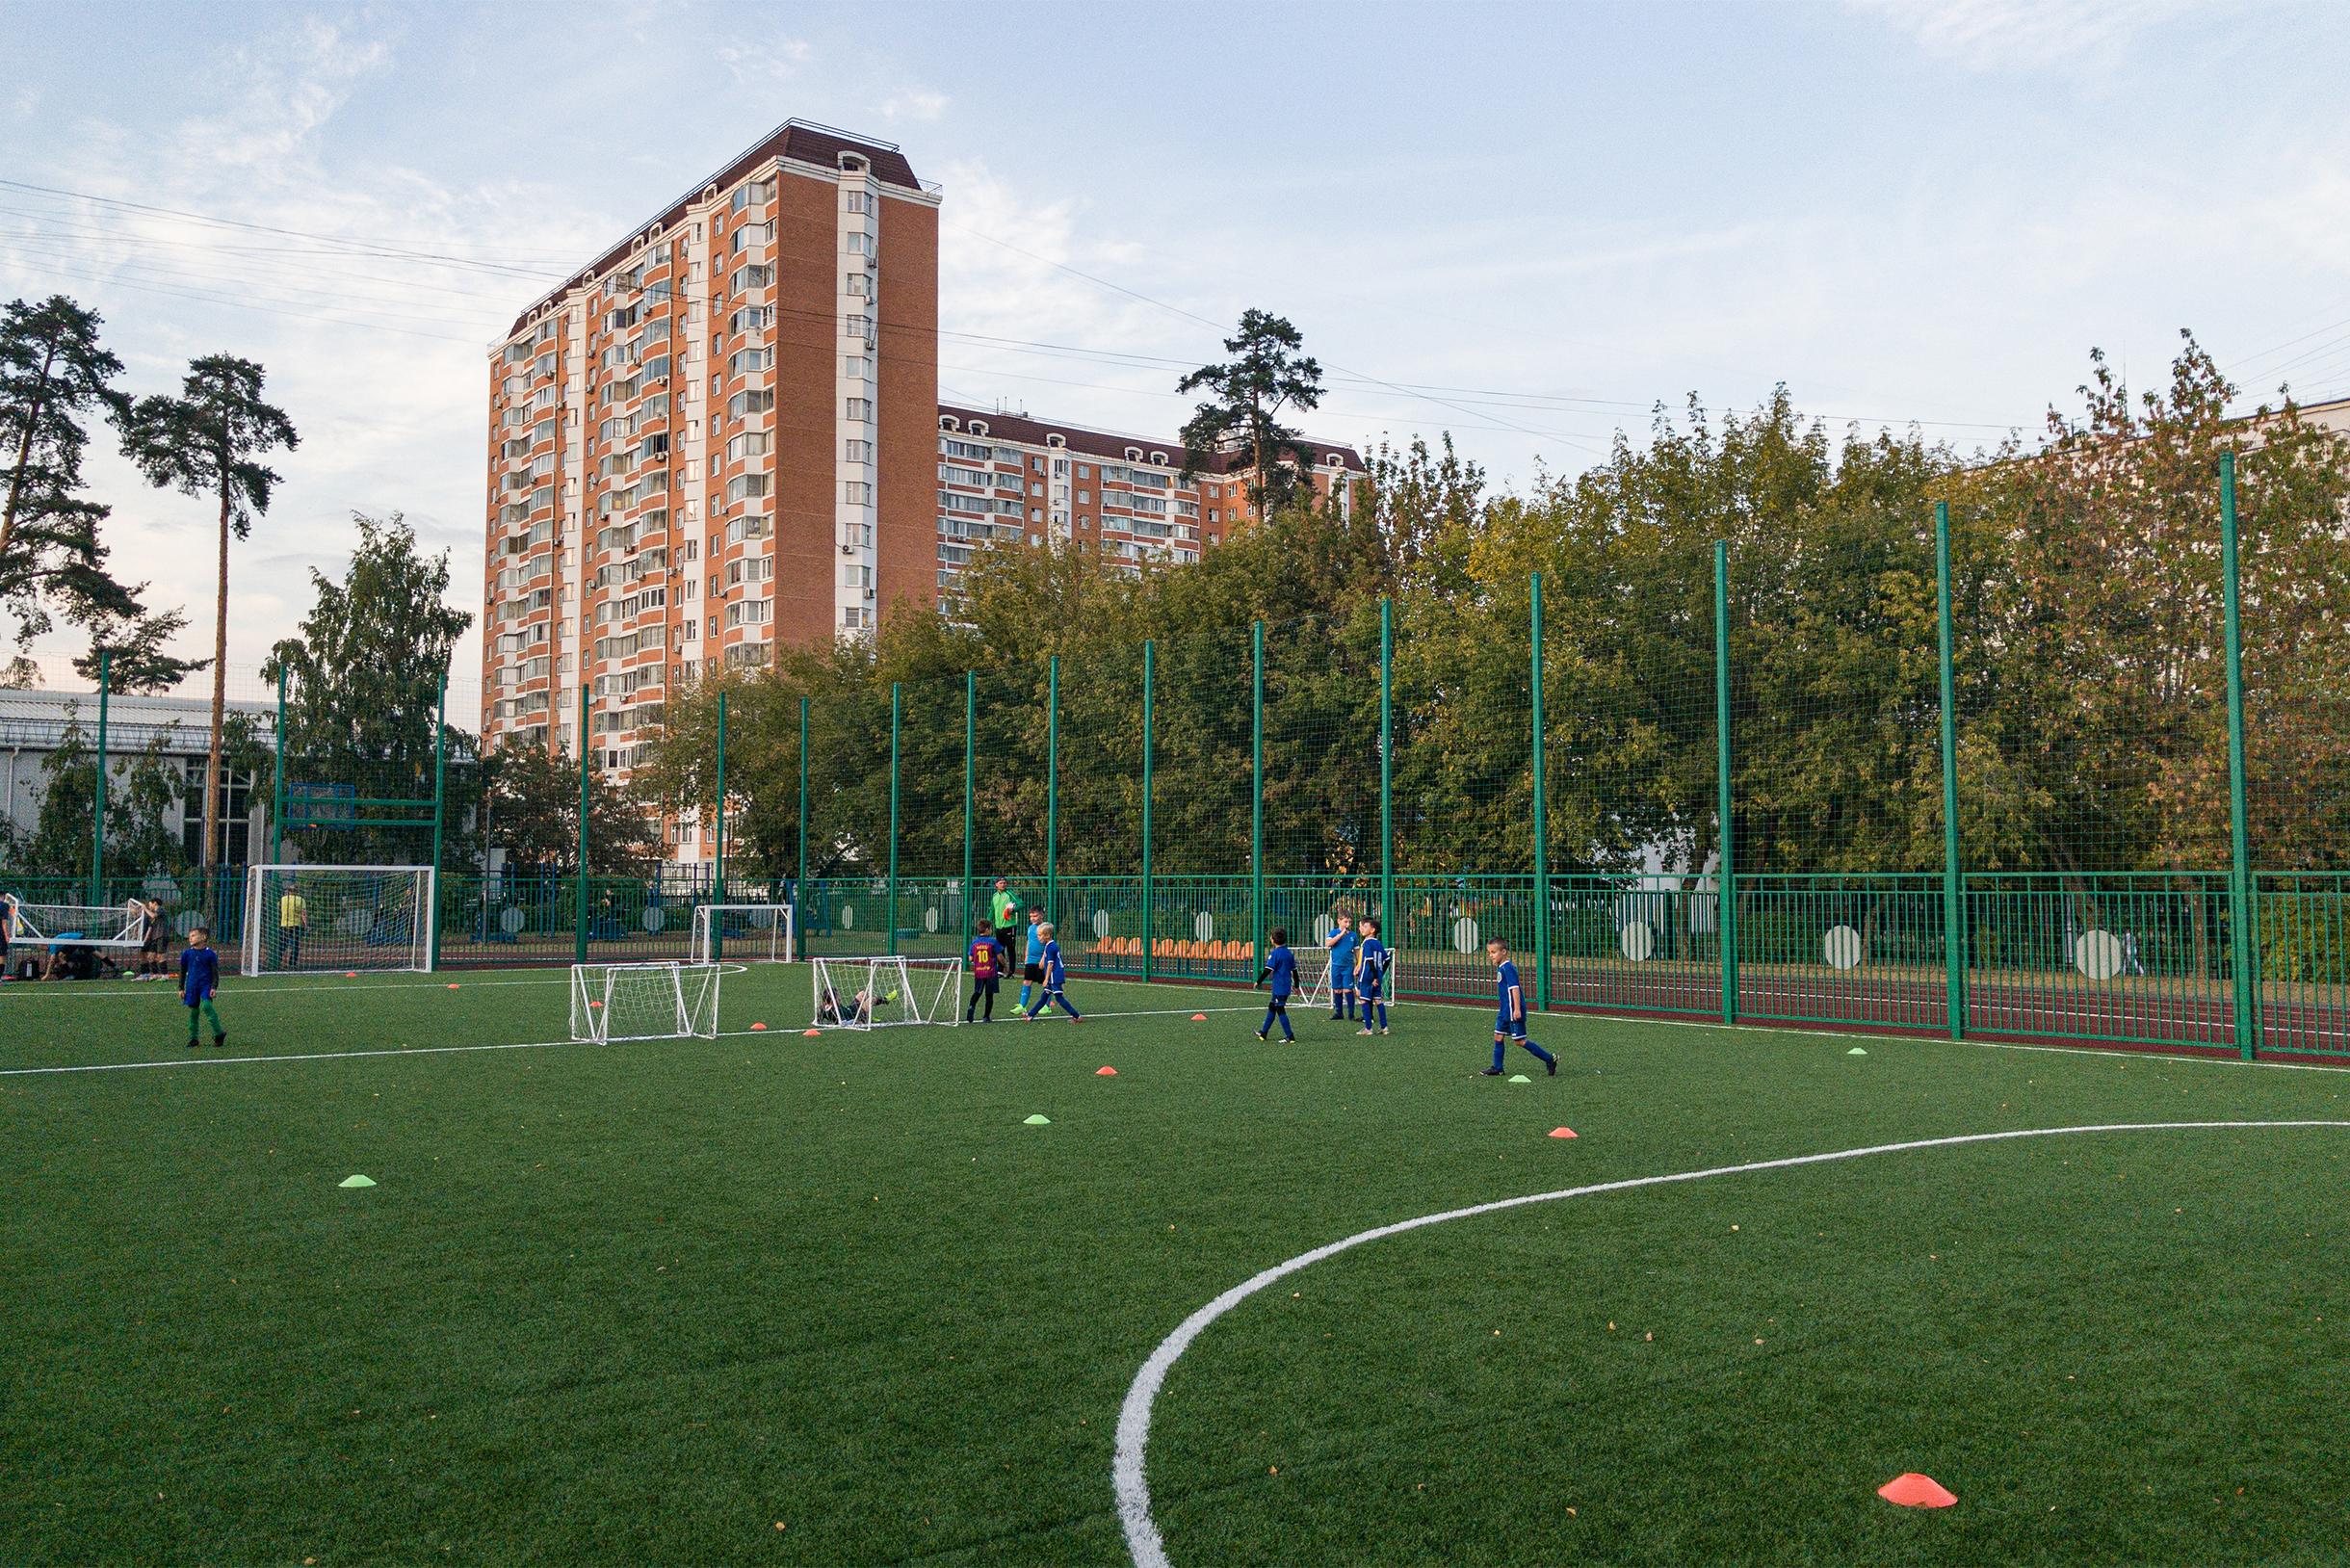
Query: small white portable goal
(644, 1002)
(755, 933)
(75, 924)
(327, 918)
(1313, 978)
(876, 993)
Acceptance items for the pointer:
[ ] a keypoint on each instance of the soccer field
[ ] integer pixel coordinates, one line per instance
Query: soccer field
(833, 1300)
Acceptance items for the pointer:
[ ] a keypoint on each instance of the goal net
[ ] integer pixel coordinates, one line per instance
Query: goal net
(1313, 978)
(322, 917)
(644, 1002)
(746, 932)
(873, 993)
(75, 924)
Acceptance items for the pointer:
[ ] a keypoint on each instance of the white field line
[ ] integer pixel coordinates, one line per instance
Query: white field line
(1131, 1484)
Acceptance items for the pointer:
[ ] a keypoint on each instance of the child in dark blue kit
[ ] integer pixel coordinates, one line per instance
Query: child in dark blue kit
(1053, 976)
(986, 972)
(1371, 978)
(1281, 968)
(200, 976)
(1509, 1022)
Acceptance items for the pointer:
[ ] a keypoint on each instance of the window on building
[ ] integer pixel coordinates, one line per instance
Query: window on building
(856, 451)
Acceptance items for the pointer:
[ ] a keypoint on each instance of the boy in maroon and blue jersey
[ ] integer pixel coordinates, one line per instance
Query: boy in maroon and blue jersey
(986, 972)
(200, 976)
(1509, 1022)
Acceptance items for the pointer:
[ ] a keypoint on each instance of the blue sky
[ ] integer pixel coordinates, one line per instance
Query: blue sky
(1527, 225)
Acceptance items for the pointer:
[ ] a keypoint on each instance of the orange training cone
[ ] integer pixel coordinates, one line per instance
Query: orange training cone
(453, 985)
(1562, 1131)
(811, 1033)
(1199, 1018)
(1106, 1072)
(351, 973)
(1916, 1491)
(758, 1026)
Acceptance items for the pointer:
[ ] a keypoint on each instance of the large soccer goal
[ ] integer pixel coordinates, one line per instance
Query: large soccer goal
(644, 1002)
(874, 993)
(757, 934)
(322, 917)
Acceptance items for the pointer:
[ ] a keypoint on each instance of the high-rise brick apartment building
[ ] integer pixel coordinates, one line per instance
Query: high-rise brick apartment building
(715, 438)
(1008, 477)
(723, 436)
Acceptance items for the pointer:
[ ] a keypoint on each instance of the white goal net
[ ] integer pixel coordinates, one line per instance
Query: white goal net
(873, 993)
(644, 1002)
(752, 934)
(326, 918)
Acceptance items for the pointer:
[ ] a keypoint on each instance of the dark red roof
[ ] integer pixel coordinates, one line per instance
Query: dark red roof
(1111, 444)
(798, 140)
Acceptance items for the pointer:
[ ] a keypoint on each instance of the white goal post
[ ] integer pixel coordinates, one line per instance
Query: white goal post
(756, 934)
(325, 918)
(877, 992)
(644, 1002)
(75, 924)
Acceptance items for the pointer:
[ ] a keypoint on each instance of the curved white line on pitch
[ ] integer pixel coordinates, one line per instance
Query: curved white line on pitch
(1125, 1470)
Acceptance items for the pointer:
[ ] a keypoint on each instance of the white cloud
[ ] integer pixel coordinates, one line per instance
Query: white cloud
(773, 62)
(918, 104)
(1991, 34)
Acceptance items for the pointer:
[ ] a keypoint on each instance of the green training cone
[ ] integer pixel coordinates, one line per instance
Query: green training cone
(1037, 1121)
(1520, 1078)
(356, 1181)
(1856, 1051)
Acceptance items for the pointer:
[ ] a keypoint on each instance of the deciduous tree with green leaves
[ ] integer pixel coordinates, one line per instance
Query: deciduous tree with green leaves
(208, 441)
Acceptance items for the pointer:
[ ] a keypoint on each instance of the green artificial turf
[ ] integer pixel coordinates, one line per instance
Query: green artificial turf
(650, 1302)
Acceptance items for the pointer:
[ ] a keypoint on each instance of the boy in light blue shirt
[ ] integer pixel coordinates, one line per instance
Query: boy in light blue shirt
(1342, 943)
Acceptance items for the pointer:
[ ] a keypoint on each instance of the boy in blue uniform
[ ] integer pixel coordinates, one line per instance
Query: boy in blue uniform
(1371, 974)
(200, 976)
(986, 972)
(1281, 968)
(1342, 944)
(1031, 971)
(1052, 976)
(1509, 1024)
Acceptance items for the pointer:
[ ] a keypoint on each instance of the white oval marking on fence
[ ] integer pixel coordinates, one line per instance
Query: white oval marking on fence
(654, 917)
(1203, 927)
(929, 919)
(1323, 926)
(2098, 954)
(1101, 924)
(1465, 935)
(849, 917)
(1637, 940)
(1132, 1483)
(511, 920)
(1841, 948)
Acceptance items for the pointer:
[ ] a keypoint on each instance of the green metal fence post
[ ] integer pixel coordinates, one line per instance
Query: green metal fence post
(1387, 770)
(2244, 951)
(801, 899)
(1256, 796)
(1052, 789)
(895, 699)
(441, 780)
(579, 935)
(97, 795)
(1542, 825)
(1953, 879)
(1725, 881)
(1150, 671)
(970, 730)
(277, 790)
(718, 926)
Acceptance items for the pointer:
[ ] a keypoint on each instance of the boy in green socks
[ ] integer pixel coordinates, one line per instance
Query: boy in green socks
(200, 976)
